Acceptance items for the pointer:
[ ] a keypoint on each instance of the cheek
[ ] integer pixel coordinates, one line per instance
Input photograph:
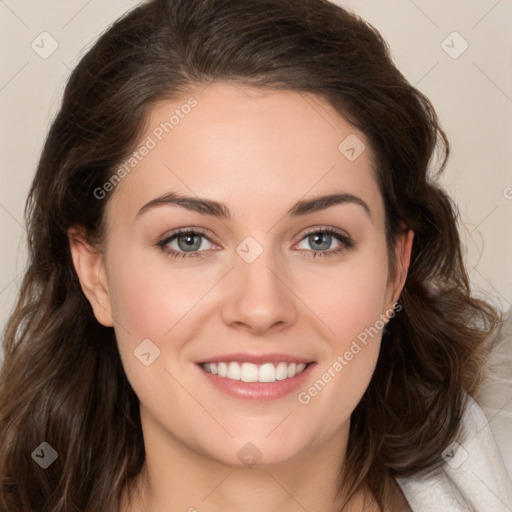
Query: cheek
(147, 302)
(153, 307)
(149, 295)
(351, 296)
(351, 305)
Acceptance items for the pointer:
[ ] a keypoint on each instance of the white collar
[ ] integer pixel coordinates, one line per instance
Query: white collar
(473, 477)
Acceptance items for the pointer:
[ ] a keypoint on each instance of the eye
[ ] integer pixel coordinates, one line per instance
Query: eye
(320, 241)
(192, 243)
(185, 243)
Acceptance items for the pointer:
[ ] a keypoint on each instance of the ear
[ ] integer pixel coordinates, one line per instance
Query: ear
(403, 249)
(90, 267)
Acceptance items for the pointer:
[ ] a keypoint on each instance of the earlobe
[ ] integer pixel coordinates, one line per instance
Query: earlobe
(90, 268)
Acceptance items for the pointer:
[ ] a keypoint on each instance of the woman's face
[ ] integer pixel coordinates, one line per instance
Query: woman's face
(283, 264)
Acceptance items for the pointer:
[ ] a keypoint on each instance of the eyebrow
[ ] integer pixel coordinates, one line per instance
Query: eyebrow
(220, 210)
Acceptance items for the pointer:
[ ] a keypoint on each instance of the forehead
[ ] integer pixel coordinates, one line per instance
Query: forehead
(238, 143)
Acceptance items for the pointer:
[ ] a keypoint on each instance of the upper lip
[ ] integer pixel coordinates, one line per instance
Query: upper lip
(256, 358)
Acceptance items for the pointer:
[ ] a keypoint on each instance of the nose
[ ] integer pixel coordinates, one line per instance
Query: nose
(259, 298)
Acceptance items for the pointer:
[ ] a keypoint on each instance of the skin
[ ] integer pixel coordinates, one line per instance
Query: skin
(258, 152)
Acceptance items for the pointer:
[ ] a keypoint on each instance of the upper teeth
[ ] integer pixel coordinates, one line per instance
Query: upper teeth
(249, 372)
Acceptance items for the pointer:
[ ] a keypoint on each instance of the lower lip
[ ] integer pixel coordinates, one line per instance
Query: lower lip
(258, 391)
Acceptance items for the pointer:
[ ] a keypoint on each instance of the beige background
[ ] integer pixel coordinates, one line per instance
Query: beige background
(472, 94)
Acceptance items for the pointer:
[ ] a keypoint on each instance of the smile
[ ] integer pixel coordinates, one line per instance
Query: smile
(250, 372)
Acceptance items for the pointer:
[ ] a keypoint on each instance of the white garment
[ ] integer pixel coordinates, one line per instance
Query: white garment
(474, 476)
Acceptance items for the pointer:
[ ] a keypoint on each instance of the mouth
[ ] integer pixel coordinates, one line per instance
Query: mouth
(256, 378)
(250, 372)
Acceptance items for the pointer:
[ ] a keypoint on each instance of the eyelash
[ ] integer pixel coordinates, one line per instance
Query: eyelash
(347, 243)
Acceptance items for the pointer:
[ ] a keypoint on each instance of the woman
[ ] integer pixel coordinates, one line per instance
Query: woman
(245, 288)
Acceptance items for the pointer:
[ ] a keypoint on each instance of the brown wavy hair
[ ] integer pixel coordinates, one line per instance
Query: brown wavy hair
(62, 380)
